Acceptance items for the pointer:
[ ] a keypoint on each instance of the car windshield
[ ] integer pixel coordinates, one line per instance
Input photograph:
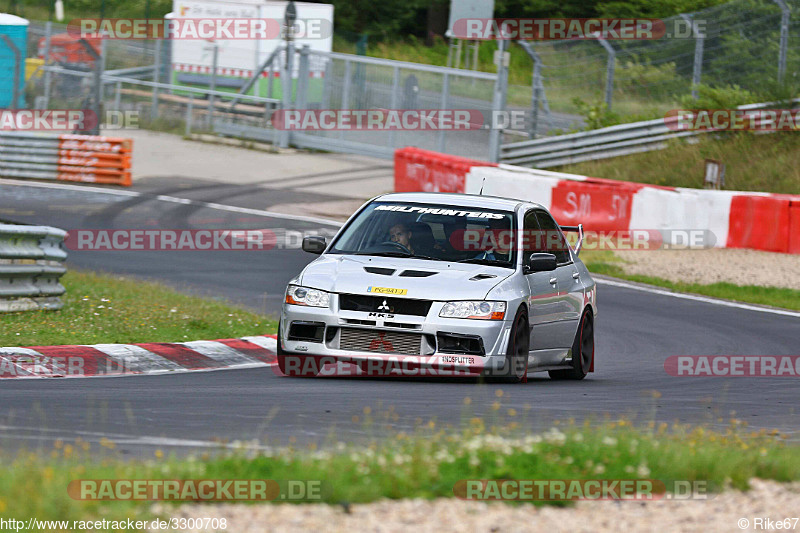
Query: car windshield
(431, 231)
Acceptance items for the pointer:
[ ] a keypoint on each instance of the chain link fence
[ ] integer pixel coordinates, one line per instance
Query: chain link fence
(748, 43)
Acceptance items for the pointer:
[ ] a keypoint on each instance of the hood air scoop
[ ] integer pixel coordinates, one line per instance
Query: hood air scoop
(379, 270)
(479, 277)
(416, 274)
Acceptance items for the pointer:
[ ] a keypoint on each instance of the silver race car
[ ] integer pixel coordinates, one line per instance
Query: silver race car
(436, 282)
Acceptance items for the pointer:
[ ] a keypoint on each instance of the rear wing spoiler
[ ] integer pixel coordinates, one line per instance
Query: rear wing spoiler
(579, 230)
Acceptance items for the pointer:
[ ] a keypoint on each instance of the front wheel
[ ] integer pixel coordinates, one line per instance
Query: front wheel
(582, 351)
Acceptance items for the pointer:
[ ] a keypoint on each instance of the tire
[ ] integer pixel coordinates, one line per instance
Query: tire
(516, 365)
(582, 351)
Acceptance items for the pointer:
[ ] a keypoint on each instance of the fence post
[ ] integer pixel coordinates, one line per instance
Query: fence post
(17, 60)
(286, 97)
(393, 100)
(785, 13)
(118, 96)
(498, 101)
(214, 63)
(699, 41)
(157, 79)
(442, 106)
(610, 66)
(303, 73)
(47, 76)
(189, 115)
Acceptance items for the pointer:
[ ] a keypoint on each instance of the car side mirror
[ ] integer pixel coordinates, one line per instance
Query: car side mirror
(542, 262)
(314, 244)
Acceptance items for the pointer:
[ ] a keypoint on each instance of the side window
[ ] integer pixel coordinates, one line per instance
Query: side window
(552, 239)
(531, 236)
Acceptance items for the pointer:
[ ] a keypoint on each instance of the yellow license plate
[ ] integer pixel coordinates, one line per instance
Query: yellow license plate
(386, 290)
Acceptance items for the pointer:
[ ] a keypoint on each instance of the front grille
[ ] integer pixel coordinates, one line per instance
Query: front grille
(367, 340)
(370, 304)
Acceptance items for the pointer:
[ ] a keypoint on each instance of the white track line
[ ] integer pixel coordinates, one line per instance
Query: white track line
(173, 199)
(696, 298)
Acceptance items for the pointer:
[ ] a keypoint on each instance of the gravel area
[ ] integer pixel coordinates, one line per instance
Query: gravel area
(742, 267)
(721, 513)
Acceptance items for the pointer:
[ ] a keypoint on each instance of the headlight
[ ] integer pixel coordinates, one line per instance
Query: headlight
(471, 309)
(298, 295)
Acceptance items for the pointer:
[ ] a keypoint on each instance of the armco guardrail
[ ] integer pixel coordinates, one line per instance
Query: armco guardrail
(31, 265)
(66, 157)
(753, 220)
(613, 141)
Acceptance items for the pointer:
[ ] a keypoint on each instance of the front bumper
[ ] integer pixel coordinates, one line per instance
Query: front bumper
(444, 343)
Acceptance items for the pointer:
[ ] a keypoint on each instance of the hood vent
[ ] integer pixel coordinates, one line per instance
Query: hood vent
(480, 277)
(379, 270)
(416, 274)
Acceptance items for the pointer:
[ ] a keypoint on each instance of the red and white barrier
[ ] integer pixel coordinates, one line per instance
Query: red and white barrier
(147, 358)
(759, 221)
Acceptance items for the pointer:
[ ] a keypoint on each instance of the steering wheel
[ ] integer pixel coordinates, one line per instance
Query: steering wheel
(397, 245)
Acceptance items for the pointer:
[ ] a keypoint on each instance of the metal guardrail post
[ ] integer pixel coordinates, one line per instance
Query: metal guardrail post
(785, 14)
(31, 266)
(699, 43)
(17, 61)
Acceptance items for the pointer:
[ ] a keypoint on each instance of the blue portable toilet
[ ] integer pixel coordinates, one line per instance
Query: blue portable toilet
(16, 28)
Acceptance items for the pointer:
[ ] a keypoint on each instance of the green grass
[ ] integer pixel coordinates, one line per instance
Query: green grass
(766, 163)
(425, 464)
(112, 309)
(604, 262)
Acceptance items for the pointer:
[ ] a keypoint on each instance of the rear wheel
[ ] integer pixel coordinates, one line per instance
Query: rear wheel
(582, 351)
(516, 364)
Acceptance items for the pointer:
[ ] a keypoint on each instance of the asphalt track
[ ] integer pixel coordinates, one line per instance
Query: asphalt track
(635, 332)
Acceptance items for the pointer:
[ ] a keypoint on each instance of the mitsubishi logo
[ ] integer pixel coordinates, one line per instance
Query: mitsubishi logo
(384, 307)
(380, 344)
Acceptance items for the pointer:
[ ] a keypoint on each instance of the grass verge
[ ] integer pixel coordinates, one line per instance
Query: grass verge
(427, 463)
(112, 309)
(753, 163)
(606, 263)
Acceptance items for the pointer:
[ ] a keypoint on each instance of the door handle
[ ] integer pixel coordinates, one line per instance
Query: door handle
(553, 280)
(576, 275)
